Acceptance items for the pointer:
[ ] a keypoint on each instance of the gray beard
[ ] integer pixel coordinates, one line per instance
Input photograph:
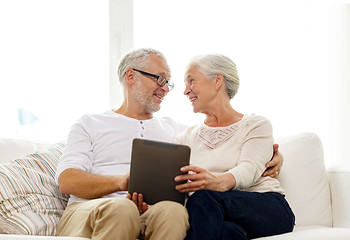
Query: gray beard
(145, 98)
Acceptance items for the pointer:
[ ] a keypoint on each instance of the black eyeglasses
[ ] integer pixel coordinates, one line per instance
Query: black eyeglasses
(160, 80)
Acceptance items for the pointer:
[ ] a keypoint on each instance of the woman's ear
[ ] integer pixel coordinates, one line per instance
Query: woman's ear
(129, 76)
(219, 80)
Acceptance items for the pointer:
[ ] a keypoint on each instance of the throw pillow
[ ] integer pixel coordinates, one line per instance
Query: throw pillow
(30, 201)
(304, 177)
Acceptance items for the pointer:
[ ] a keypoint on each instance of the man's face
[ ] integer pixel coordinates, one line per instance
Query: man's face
(147, 93)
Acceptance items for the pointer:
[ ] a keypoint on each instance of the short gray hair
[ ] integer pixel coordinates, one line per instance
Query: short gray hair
(212, 64)
(135, 59)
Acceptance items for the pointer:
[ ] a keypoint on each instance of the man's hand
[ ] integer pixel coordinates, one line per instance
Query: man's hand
(137, 198)
(124, 182)
(273, 167)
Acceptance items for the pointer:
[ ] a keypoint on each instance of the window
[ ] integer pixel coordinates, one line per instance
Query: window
(54, 65)
(58, 60)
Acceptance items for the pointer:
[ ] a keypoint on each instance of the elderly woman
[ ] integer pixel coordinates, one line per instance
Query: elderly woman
(231, 199)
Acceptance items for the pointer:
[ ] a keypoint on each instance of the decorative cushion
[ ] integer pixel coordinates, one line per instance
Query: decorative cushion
(30, 201)
(304, 177)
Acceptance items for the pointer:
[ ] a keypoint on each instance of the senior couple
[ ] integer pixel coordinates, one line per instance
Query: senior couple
(233, 188)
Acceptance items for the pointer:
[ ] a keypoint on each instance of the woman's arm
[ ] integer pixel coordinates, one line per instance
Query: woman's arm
(255, 152)
(199, 178)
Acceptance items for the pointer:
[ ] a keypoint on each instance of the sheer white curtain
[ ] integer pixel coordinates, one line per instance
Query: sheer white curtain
(54, 58)
(281, 49)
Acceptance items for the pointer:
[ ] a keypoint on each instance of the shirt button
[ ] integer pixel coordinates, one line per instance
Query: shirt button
(141, 122)
(141, 135)
(143, 128)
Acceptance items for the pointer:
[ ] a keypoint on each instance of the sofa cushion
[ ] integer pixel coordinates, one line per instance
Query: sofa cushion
(30, 202)
(26, 237)
(313, 233)
(304, 178)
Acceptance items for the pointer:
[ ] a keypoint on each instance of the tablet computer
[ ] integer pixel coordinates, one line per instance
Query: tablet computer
(154, 165)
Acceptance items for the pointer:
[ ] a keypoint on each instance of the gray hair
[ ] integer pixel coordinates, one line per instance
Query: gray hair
(212, 64)
(135, 59)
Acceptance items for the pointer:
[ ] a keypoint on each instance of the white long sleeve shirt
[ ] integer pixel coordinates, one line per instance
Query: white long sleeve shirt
(241, 149)
(101, 143)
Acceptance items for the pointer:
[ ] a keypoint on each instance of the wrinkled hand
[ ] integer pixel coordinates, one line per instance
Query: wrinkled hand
(273, 167)
(199, 178)
(137, 198)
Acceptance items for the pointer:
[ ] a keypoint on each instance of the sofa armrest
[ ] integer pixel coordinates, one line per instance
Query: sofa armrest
(339, 179)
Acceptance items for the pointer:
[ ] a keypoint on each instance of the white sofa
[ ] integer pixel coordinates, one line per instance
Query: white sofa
(318, 197)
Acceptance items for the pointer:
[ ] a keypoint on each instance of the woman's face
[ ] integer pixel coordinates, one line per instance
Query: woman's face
(200, 89)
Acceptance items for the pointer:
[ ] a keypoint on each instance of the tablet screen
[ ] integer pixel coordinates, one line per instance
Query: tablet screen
(154, 165)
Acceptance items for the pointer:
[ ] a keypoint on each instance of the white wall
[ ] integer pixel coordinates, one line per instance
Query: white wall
(339, 78)
(279, 46)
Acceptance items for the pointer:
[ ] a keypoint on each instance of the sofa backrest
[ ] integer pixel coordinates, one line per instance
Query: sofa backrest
(15, 148)
(304, 177)
(303, 174)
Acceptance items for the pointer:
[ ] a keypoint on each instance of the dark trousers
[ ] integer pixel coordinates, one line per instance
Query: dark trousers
(237, 215)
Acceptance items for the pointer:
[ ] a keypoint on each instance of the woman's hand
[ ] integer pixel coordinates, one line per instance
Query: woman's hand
(137, 198)
(199, 178)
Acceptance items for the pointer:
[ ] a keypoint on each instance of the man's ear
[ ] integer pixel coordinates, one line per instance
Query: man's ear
(130, 76)
(219, 80)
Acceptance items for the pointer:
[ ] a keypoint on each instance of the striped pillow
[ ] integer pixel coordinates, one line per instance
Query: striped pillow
(30, 201)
